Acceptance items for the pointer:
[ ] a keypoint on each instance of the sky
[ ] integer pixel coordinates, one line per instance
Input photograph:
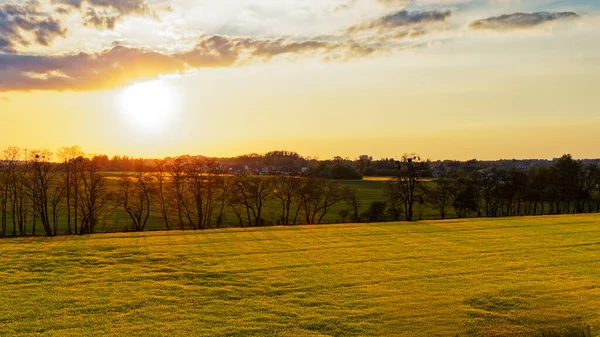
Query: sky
(448, 79)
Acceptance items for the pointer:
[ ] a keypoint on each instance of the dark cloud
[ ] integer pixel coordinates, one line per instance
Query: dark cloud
(92, 18)
(402, 18)
(123, 7)
(19, 22)
(402, 24)
(62, 10)
(122, 65)
(104, 14)
(520, 20)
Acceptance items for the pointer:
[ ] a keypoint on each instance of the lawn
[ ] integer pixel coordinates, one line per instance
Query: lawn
(476, 277)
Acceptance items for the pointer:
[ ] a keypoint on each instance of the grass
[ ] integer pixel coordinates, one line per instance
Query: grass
(367, 191)
(476, 277)
(115, 219)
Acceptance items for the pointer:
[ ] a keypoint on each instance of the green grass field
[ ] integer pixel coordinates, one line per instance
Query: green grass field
(367, 191)
(477, 277)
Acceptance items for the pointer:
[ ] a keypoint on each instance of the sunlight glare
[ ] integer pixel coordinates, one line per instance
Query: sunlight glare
(149, 106)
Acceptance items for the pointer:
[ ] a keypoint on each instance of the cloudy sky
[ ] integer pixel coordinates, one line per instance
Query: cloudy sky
(450, 79)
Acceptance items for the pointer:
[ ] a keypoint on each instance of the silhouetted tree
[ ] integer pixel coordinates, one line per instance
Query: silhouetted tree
(440, 195)
(249, 195)
(318, 196)
(92, 194)
(39, 187)
(464, 197)
(286, 190)
(161, 178)
(69, 156)
(405, 187)
(135, 195)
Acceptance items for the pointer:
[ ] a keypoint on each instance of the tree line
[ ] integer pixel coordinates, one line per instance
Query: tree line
(566, 186)
(71, 195)
(68, 193)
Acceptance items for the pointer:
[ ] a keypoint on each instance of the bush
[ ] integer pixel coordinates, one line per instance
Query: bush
(376, 212)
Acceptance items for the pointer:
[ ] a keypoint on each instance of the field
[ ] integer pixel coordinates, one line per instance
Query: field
(476, 277)
(367, 191)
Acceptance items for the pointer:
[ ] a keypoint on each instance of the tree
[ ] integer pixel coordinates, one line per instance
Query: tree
(92, 193)
(440, 196)
(250, 192)
(353, 203)
(376, 212)
(10, 161)
(318, 196)
(69, 156)
(286, 190)
(405, 187)
(464, 195)
(39, 187)
(204, 181)
(135, 196)
(161, 178)
(178, 191)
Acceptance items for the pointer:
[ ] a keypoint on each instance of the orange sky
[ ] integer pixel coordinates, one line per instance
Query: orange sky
(448, 79)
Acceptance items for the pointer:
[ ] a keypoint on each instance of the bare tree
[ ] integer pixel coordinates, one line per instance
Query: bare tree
(92, 193)
(251, 193)
(162, 179)
(353, 203)
(18, 186)
(223, 198)
(10, 162)
(440, 196)
(203, 182)
(286, 190)
(178, 192)
(406, 185)
(135, 196)
(69, 157)
(56, 203)
(318, 196)
(39, 187)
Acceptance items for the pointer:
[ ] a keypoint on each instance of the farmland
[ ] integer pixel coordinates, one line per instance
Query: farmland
(367, 191)
(489, 277)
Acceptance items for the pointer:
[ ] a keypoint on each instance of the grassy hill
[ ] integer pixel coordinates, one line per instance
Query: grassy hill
(488, 277)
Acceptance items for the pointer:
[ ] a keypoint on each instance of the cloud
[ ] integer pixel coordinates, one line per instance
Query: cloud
(92, 18)
(123, 7)
(122, 65)
(403, 24)
(520, 20)
(103, 14)
(4, 99)
(22, 25)
(394, 2)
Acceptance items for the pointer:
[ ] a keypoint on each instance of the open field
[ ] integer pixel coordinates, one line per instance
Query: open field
(367, 191)
(488, 277)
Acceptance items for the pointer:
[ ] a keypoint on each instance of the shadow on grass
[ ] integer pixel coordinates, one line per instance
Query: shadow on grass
(566, 332)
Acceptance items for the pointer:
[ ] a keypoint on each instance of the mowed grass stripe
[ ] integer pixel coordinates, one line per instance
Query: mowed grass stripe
(491, 277)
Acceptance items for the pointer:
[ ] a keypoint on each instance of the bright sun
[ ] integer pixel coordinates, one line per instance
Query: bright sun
(149, 106)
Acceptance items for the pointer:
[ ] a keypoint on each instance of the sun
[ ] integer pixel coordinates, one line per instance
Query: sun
(149, 106)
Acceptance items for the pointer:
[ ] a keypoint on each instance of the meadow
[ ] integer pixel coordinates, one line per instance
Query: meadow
(367, 191)
(472, 277)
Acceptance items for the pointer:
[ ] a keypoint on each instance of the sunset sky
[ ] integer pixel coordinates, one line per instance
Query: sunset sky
(449, 79)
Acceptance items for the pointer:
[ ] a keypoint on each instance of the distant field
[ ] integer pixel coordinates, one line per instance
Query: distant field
(367, 191)
(488, 277)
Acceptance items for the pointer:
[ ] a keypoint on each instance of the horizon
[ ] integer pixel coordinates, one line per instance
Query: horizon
(456, 79)
(25, 152)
